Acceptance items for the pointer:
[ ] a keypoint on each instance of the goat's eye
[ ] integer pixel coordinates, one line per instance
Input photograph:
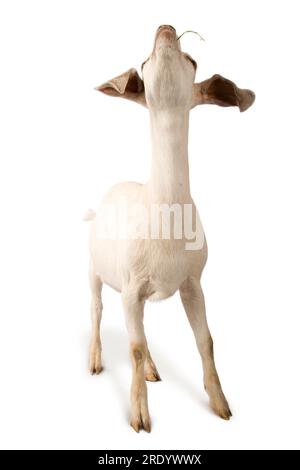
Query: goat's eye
(144, 63)
(191, 60)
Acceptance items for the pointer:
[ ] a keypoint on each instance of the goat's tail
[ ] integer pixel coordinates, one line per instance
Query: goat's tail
(89, 215)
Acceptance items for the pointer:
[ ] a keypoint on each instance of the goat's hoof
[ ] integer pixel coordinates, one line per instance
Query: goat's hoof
(95, 365)
(224, 413)
(96, 370)
(141, 423)
(152, 376)
(221, 407)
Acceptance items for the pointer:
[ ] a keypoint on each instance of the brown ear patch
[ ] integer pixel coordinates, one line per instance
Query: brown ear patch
(128, 85)
(223, 92)
(107, 90)
(220, 91)
(135, 84)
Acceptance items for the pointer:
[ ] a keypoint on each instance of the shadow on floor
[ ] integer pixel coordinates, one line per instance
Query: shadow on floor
(116, 362)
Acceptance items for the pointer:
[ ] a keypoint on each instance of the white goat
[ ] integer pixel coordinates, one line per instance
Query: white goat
(145, 268)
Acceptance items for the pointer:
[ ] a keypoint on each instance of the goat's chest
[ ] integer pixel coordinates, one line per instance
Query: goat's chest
(166, 264)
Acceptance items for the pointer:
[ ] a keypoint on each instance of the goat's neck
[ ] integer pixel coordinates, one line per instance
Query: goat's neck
(169, 181)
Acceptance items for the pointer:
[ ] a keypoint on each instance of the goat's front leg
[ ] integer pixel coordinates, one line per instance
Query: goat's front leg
(133, 307)
(193, 301)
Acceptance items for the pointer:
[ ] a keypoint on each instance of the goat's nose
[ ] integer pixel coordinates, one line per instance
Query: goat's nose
(166, 26)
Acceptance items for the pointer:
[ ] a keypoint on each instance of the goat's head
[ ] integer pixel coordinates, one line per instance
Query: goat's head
(168, 80)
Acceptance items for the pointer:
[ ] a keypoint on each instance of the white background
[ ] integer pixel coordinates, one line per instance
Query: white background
(63, 145)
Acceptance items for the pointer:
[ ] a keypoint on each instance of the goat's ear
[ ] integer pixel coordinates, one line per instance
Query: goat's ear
(223, 92)
(129, 85)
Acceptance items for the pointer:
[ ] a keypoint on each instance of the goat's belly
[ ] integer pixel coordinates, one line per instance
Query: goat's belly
(161, 295)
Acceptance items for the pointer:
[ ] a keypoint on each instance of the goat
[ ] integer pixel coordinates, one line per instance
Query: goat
(151, 268)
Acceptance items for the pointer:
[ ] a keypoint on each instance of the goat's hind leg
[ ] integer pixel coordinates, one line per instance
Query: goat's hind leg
(95, 364)
(151, 373)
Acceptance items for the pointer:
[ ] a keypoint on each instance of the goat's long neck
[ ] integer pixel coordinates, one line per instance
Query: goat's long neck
(169, 181)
